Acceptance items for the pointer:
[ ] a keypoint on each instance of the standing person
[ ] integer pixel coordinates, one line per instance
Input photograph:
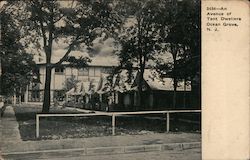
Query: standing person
(2, 106)
(2, 110)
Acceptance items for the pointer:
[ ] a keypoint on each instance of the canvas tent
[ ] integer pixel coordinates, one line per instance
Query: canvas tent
(82, 89)
(157, 91)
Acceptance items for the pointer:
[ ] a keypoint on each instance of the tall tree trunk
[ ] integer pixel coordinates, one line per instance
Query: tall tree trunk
(46, 97)
(48, 52)
(174, 95)
(174, 53)
(141, 70)
(140, 90)
(140, 81)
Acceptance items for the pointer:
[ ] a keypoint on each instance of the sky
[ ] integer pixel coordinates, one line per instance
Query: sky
(102, 53)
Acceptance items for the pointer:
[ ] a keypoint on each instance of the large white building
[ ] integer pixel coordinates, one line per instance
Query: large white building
(157, 92)
(59, 76)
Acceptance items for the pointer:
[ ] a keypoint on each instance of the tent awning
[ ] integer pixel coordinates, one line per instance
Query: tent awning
(83, 88)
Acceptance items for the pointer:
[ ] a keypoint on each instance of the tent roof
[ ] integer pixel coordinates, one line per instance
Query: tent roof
(120, 82)
(83, 88)
(102, 85)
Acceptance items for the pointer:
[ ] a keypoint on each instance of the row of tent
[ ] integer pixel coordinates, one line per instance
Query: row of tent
(123, 82)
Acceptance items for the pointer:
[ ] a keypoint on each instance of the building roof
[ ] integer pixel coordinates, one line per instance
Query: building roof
(122, 82)
(155, 82)
(108, 61)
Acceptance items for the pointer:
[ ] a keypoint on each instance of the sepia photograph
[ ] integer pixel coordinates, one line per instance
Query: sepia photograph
(100, 79)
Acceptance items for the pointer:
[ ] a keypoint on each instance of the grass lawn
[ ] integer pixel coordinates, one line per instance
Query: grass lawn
(82, 127)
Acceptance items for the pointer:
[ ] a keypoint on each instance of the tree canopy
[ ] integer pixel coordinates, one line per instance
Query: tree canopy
(16, 63)
(181, 32)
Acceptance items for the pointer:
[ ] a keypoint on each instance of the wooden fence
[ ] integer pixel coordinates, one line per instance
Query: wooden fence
(113, 115)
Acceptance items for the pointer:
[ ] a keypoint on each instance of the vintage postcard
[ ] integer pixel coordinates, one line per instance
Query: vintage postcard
(124, 79)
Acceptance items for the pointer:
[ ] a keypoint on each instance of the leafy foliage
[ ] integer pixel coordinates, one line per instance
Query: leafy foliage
(139, 38)
(181, 34)
(17, 65)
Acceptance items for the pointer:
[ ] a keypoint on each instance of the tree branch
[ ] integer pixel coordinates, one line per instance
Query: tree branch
(51, 27)
(39, 9)
(43, 33)
(59, 18)
(71, 46)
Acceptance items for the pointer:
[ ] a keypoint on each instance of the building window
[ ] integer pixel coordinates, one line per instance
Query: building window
(83, 72)
(59, 70)
(97, 72)
(106, 70)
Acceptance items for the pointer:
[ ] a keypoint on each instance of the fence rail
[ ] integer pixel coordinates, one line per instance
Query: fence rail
(113, 115)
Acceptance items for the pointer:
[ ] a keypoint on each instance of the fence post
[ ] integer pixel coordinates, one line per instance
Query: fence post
(113, 124)
(37, 126)
(167, 122)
